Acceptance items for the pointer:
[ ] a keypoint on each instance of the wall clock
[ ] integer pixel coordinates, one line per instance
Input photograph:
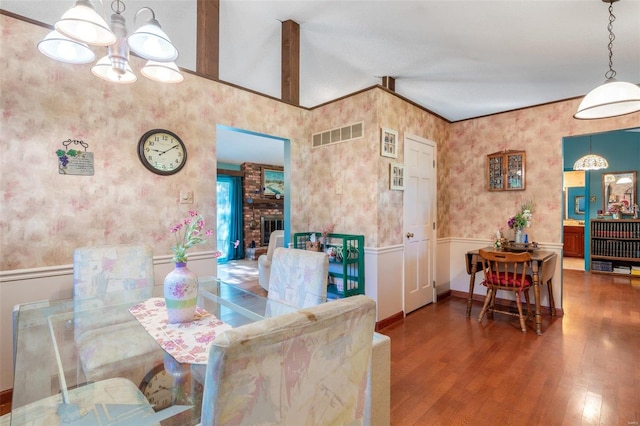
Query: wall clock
(162, 152)
(156, 387)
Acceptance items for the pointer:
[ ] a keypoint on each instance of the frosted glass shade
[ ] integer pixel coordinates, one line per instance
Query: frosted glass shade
(105, 70)
(153, 44)
(611, 99)
(62, 48)
(164, 72)
(83, 23)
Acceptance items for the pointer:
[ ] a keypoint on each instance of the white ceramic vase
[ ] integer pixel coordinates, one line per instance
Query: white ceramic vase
(181, 294)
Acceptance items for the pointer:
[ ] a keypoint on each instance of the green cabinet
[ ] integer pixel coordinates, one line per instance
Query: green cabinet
(346, 262)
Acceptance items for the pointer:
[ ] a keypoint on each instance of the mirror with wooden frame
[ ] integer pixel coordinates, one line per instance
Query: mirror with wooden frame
(621, 188)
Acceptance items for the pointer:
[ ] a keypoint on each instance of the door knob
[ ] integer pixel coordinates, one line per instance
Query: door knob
(409, 234)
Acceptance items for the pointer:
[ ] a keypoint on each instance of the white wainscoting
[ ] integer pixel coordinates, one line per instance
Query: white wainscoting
(383, 274)
(56, 283)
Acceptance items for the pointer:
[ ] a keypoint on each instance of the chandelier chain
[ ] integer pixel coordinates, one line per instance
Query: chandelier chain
(611, 73)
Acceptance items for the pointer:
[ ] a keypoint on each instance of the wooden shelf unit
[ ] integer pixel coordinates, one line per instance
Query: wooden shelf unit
(615, 246)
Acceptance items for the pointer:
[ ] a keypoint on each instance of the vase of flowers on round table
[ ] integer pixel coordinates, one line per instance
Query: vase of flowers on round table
(181, 284)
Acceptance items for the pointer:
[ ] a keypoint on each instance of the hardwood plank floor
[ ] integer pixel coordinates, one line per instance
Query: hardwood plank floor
(447, 369)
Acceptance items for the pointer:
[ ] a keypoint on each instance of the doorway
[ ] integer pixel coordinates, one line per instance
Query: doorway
(621, 149)
(419, 222)
(235, 147)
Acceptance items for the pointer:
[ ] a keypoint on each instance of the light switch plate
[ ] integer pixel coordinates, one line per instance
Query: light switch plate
(186, 197)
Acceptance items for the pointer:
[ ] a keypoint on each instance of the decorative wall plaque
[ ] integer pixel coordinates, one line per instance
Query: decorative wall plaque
(72, 161)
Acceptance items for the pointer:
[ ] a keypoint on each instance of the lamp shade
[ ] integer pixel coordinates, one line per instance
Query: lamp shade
(591, 162)
(164, 72)
(106, 70)
(153, 44)
(61, 48)
(83, 23)
(611, 99)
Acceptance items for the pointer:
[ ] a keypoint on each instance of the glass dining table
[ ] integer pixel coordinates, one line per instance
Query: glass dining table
(50, 386)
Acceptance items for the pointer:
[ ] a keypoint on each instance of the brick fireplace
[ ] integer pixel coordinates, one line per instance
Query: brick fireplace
(262, 214)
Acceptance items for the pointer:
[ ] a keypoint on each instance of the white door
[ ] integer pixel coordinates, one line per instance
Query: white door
(419, 222)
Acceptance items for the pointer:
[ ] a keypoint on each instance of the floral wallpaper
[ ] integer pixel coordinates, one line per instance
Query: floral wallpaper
(355, 168)
(44, 216)
(475, 212)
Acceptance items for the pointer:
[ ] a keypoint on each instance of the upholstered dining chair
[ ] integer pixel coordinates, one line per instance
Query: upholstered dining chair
(298, 278)
(113, 278)
(506, 271)
(276, 239)
(308, 367)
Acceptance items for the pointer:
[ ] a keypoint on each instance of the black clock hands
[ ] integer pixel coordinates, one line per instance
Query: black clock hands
(163, 152)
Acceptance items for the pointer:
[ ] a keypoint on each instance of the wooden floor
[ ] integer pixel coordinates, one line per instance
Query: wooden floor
(447, 369)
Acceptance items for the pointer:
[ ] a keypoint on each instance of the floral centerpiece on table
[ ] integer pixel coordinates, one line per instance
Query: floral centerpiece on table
(517, 222)
(189, 233)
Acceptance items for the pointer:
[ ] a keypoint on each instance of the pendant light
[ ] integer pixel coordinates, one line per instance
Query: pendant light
(81, 26)
(613, 98)
(590, 161)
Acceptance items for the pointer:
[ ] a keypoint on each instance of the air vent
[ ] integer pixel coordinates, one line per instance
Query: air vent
(341, 134)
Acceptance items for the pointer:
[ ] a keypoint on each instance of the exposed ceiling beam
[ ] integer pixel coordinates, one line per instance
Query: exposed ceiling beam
(290, 62)
(389, 83)
(208, 39)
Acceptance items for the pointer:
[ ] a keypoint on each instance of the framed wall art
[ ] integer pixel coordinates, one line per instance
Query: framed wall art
(396, 176)
(579, 204)
(273, 182)
(389, 143)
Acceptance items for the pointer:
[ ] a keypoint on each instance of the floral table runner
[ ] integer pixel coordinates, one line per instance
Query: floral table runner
(187, 342)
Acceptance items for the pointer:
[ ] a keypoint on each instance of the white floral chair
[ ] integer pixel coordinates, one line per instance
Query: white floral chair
(298, 278)
(276, 239)
(303, 368)
(113, 278)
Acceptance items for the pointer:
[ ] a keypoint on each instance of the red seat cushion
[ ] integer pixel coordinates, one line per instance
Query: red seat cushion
(510, 281)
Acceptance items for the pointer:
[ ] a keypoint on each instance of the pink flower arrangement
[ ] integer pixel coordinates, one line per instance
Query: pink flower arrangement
(193, 235)
(615, 207)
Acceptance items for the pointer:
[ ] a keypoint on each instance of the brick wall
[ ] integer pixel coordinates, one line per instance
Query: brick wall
(262, 206)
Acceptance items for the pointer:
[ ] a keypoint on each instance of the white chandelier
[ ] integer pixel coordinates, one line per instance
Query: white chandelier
(613, 97)
(81, 26)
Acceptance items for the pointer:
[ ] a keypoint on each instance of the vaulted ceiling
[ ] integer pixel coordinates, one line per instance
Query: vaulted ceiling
(458, 59)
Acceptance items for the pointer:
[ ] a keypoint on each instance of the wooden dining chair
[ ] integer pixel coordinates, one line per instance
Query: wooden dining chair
(508, 272)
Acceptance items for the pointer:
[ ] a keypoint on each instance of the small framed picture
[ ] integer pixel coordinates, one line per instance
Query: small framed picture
(579, 204)
(272, 182)
(396, 176)
(389, 143)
